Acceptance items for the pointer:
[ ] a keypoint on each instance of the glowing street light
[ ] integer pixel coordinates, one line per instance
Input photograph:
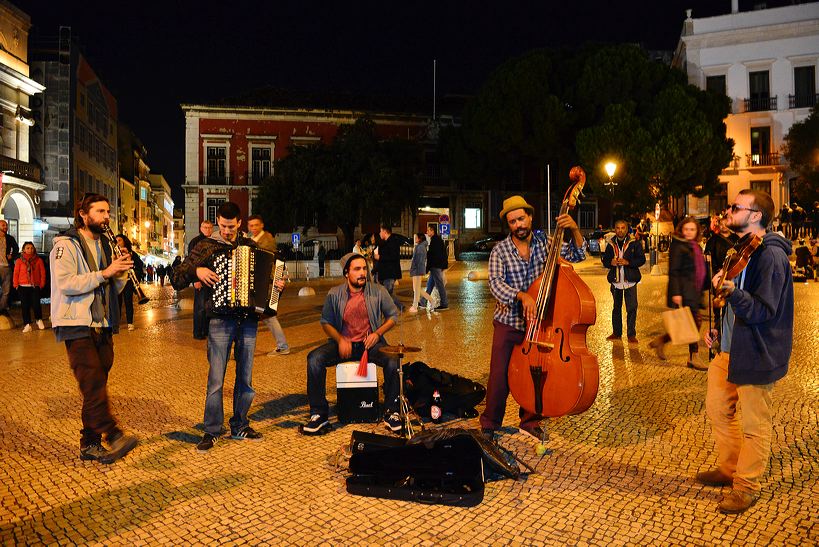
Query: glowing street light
(610, 168)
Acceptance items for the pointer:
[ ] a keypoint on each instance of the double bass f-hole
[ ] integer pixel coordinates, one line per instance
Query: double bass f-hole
(562, 338)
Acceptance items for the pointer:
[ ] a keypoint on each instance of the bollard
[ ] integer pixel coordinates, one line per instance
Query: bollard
(7, 323)
(307, 291)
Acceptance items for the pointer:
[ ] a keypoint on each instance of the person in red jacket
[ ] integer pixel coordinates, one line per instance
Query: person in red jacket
(29, 280)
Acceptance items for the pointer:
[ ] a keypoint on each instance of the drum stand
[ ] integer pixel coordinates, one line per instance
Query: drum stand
(405, 411)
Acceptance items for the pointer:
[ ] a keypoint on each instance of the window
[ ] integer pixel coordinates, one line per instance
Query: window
(212, 206)
(804, 86)
(260, 167)
(764, 185)
(472, 218)
(760, 92)
(143, 193)
(216, 164)
(761, 146)
(715, 84)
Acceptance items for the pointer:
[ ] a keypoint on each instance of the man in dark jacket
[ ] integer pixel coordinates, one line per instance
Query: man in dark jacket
(389, 263)
(8, 254)
(437, 264)
(623, 258)
(757, 338)
(200, 319)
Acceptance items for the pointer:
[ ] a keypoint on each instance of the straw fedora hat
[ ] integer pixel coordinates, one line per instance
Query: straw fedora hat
(512, 203)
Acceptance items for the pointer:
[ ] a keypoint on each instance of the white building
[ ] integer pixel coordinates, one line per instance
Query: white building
(765, 61)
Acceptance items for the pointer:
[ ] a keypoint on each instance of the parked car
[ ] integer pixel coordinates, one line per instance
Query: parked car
(488, 243)
(598, 240)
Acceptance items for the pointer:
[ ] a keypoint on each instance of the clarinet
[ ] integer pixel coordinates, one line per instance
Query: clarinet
(112, 240)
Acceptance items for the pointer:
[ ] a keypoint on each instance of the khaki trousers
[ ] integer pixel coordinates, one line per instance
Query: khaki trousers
(743, 439)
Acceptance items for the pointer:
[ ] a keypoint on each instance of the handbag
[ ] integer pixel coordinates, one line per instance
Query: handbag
(680, 326)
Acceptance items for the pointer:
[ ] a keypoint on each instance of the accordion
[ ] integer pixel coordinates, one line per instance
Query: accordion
(247, 277)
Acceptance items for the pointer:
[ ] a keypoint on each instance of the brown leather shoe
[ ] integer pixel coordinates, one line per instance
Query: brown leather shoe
(737, 501)
(659, 347)
(613, 337)
(633, 340)
(714, 477)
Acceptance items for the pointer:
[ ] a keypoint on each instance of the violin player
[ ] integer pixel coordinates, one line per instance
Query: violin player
(756, 342)
(514, 264)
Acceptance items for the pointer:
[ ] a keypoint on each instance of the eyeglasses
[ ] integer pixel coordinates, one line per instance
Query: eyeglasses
(735, 208)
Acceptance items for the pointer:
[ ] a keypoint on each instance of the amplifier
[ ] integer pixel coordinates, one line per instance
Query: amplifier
(357, 396)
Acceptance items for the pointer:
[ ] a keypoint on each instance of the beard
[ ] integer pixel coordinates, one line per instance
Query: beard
(522, 234)
(358, 282)
(96, 228)
(737, 226)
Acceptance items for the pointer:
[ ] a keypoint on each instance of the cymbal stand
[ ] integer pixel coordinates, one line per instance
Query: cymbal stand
(405, 411)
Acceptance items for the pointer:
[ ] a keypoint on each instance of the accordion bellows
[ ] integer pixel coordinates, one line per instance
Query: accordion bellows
(247, 277)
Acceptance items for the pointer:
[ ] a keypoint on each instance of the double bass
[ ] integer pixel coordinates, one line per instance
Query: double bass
(552, 373)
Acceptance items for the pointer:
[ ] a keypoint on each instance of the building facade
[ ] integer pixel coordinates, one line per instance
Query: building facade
(765, 61)
(162, 216)
(20, 178)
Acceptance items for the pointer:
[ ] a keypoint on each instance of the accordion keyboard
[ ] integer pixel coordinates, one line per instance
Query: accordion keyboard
(278, 273)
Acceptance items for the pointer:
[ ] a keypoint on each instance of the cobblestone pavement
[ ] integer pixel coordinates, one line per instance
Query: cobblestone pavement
(621, 473)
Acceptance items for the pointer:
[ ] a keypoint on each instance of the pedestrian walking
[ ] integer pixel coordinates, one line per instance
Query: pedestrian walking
(437, 263)
(785, 220)
(200, 319)
(85, 282)
(29, 280)
(389, 262)
(265, 240)
(623, 258)
(160, 274)
(418, 268)
(755, 349)
(322, 254)
(797, 220)
(687, 279)
(8, 253)
(127, 294)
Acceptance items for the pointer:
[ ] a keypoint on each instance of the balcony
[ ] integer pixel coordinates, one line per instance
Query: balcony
(803, 101)
(762, 160)
(760, 104)
(20, 169)
(208, 179)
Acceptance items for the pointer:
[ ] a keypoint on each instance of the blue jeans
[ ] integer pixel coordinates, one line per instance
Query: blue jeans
(436, 279)
(276, 328)
(389, 284)
(222, 334)
(326, 355)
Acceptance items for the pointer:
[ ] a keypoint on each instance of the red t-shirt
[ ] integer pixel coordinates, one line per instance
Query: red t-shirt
(355, 324)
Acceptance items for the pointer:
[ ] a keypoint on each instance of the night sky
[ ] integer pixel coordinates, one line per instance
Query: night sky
(154, 55)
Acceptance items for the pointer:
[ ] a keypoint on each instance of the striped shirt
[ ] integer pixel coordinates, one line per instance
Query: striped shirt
(509, 274)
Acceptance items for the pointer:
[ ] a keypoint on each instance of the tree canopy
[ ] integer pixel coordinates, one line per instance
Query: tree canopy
(802, 152)
(356, 175)
(598, 104)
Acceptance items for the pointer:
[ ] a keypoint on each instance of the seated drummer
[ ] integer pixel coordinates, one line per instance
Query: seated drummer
(356, 316)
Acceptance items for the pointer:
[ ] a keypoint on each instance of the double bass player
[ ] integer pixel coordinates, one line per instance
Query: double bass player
(514, 264)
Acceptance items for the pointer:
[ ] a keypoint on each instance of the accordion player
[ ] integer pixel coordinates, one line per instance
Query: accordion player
(247, 278)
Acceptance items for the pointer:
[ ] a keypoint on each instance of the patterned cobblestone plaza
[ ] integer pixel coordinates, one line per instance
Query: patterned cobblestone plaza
(621, 473)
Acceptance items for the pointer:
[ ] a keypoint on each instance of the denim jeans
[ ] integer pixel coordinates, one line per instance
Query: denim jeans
(276, 328)
(326, 355)
(389, 284)
(436, 279)
(222, 334)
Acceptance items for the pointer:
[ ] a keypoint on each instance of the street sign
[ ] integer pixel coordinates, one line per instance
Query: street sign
(296, 240)
(444, 229)
(443, 219)
(657, 211)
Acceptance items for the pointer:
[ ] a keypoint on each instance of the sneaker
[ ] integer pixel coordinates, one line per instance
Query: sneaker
(317, 425)
(393, 422)
(613, 337)
(633, 340)
(713, 477)
(27, 328)
(92, 452)
(413, 309)
(247, 433)
(737, 501)
(40, 324)
(280, 351)
(131, 326)
(535, 432)
(206, 443)
(440, 308)
(119, 448)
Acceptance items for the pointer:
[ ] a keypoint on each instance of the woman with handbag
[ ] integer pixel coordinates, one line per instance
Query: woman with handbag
(687, 279)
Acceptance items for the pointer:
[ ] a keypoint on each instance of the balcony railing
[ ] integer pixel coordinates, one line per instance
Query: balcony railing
(803, 101)
(20, 169)
(760, 104)
(214, 179)
(757, 160)
(255, 179)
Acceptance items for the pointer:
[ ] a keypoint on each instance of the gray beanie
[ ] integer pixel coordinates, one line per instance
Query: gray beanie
(346, 259)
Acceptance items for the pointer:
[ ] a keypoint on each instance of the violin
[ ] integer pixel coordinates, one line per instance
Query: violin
(552, 372)
(735, 261)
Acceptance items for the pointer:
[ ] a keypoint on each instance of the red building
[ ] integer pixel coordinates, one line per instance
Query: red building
(231, 147)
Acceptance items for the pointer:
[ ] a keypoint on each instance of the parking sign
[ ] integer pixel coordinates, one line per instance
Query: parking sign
(444, 228)
(296, 240)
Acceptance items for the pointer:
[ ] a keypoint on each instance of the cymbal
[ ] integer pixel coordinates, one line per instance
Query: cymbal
(395, 350)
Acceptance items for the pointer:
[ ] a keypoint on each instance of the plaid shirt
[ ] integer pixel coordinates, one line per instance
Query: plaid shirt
(509, 274)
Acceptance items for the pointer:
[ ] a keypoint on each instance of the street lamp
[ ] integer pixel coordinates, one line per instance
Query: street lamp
(610, 167)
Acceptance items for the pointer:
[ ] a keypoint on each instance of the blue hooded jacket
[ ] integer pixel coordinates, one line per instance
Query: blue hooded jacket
(762, 337)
